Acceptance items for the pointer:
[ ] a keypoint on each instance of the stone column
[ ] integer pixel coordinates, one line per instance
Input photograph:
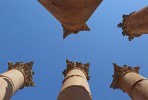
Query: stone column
(17, 77)
(135, 24)
(72, 14)
(128, 80)
(75, 86)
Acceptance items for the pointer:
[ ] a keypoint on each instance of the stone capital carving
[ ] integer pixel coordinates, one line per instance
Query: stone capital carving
(124, 27)
(26, 70)
(76, 65)
(67, 31)
(119, 72)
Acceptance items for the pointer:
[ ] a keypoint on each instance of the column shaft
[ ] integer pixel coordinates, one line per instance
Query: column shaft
(75, 86)
(17, 77)
(135, 85)
(75, 78)
(135, 24)
(10, 82)
(6, 88)
(72, 14)
(140, 91)
(128, 80)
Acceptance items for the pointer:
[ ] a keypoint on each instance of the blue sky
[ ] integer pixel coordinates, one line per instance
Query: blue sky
(29, 32)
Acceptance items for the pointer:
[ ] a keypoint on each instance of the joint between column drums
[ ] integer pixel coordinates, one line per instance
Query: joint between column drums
(9, 80)
(134, 85)
(26, 70)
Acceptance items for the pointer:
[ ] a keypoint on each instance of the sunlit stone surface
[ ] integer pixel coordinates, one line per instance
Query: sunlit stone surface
(128, 80)
(75, 86)
(17, 77)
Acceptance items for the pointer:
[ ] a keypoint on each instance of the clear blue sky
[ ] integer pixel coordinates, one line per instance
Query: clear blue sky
(29, 32)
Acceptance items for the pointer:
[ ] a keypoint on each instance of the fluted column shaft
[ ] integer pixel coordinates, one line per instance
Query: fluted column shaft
(129, 81)
(14, 79)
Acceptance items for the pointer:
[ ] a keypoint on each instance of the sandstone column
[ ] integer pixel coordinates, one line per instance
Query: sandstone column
(75, 86)
(72, 14)
(17, 77)
(128, 80)
(135, 24)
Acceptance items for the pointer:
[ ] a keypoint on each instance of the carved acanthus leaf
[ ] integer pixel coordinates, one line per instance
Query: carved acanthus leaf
(119, 72)
(26, 69)
(76, 65)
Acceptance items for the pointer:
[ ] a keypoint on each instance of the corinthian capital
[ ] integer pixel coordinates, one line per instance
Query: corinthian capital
(25, 69)
(76, 65)
(119, 72)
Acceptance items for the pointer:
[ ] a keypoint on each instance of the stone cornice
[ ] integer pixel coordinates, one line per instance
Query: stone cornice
(26, 69)
(119, 72)
(76, 65)
(124, 27)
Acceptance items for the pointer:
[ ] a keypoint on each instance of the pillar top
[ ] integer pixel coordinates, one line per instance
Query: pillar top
(77, 65)
(119, 72)
(124, 27)
(67, 31)
(26, 70)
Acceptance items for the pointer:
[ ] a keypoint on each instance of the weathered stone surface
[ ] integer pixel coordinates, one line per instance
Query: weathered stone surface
(75, 86)
(76, 65)
(119, 72)
(26, 69)
(18, 75)
(135, 24)
(74, 93)
(128, 80)
(72, 14)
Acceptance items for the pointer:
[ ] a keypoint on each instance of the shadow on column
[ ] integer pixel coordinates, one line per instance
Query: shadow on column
(9, 89)
(74, 93)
